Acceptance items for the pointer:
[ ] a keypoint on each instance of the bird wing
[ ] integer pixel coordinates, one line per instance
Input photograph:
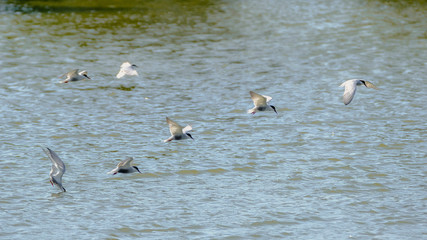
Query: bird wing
(127, 69)
(115, 170)
(68, 73)
(267, 98)
(58, 166)
(73, 73)
(349, 90)
(121, 73)
(57, 169)
(370, 85)
(174, 127)
(130, 71)
(125, 163)
(125, 65)
(187, 129)
(259, 100)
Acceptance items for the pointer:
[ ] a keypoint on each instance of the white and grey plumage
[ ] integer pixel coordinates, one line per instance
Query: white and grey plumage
(350, 87)
(57, 170)
(261, 103)
(125, 167)
(75, 75)
(178, 132)
(127, 69)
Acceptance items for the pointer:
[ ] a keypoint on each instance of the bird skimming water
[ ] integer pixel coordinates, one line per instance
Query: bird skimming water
(127, 69)
(57, 170)
(260, 103)
(178, 132)
(125, 167)
(75, 75)
(350, 87)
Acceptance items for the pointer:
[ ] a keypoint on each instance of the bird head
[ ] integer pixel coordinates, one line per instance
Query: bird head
(84, 73)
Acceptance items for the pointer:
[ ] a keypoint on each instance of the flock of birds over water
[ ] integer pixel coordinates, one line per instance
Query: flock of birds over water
(177, 131)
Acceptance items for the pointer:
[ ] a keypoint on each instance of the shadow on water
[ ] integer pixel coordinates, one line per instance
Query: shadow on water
(78, 23)
(113, 14)
(120, 87)
(165, 6)
(402, 4)
(407, 11)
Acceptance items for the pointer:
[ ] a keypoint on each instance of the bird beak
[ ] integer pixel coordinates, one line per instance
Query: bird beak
(274, 108)
(51, 182)
(137, 169)
(86, 76)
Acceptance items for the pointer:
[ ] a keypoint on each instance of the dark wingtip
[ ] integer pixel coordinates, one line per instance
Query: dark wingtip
(137, 169)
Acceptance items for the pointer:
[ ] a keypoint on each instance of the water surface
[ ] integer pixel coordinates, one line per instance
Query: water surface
(317, 170)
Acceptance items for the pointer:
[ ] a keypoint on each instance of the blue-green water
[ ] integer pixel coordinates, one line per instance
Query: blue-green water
(317, 170)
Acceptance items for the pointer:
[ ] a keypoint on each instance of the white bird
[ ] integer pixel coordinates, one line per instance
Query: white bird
(351, 86)
(178, 132)
(127, 69)
(125, 167)
(260, 103)
(75, 75)
(57, 170)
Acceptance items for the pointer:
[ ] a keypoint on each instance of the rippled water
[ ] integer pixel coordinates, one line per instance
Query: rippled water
(317, 170)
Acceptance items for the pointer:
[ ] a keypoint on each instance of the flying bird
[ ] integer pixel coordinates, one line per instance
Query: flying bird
(75, 75)
(127, 69)
(57, 170)
(178, 132)
(350, 87)
(125, 167)
(260, 103)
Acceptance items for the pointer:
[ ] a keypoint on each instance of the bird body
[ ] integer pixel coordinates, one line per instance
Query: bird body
(75, 75)
(125, 167)
(261, 103)
(127, 69)
(57, 169)
(350, 87)
(178, 132)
